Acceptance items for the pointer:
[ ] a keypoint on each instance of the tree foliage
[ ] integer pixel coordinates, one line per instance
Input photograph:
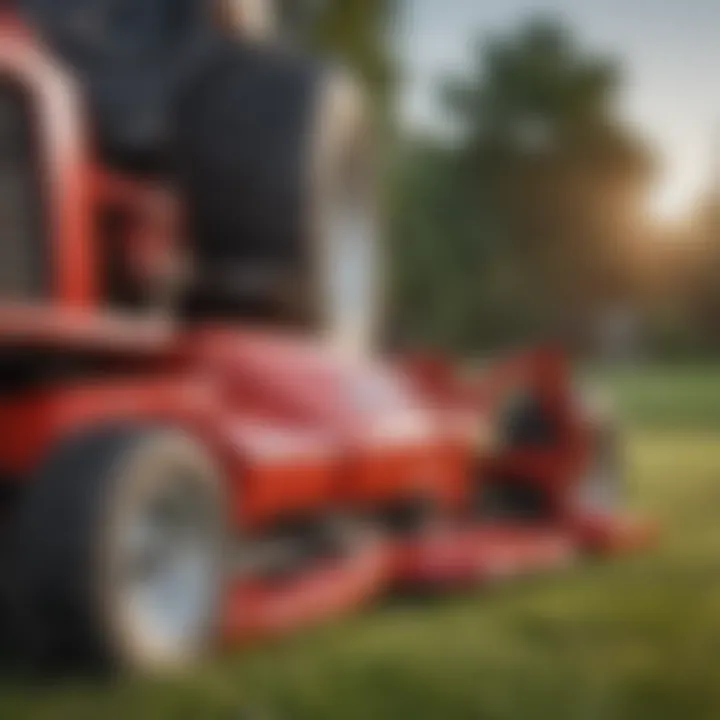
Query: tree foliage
(526, 219)
(358, 33)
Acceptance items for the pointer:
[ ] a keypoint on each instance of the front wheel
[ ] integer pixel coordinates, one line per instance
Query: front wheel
(121, 545)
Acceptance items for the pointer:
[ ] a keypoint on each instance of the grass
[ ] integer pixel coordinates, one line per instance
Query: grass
(625, 640)
(669, 398)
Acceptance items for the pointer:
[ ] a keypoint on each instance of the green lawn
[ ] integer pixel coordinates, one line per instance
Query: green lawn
(631, 639)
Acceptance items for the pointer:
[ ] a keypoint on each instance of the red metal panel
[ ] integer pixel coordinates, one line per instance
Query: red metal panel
(67, 172)
(257, 610)
(475, 555)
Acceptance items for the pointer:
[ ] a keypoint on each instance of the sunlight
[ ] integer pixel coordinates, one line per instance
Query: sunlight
(671, 200)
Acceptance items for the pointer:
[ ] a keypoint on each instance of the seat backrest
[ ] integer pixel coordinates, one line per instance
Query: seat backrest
(131, 56)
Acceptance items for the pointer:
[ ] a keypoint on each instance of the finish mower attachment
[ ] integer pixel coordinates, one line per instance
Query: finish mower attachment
(197, 442)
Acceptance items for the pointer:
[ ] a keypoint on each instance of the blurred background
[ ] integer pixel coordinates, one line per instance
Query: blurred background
(553, 168)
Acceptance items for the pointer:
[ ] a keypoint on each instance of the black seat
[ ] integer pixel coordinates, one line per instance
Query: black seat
(245, 130)
(233, 124)
(132, 56)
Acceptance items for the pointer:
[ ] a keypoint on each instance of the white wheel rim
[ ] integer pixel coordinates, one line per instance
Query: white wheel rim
(169, 570)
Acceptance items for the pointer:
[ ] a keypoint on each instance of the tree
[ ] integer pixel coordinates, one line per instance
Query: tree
(449, 279)
(540, 198)
(551, 163)
(356, 32)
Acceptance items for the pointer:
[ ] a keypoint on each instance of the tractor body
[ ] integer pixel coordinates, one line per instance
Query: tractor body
(337, 474)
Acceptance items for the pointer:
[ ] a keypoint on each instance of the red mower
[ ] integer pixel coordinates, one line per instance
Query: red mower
(196, 445)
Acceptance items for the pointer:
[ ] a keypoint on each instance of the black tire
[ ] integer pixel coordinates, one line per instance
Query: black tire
(73, 529)
(10, 647)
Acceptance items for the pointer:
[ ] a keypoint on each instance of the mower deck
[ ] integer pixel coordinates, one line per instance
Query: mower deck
(454, 558)
(259, 609)
(614, 534)
(466, 556)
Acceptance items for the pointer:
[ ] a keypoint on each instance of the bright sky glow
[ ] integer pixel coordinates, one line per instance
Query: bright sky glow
(670, 54)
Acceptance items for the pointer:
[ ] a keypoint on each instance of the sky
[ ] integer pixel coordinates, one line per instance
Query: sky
(670, 54)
